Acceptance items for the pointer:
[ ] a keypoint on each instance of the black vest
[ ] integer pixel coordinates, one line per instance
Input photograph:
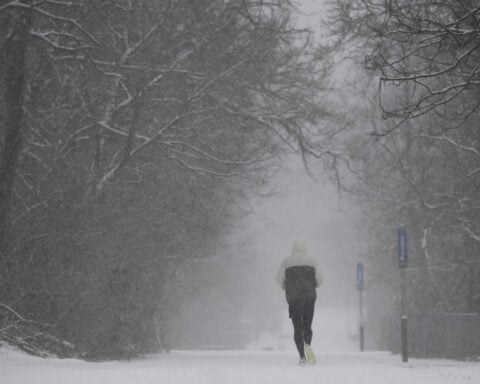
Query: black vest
(300, 283)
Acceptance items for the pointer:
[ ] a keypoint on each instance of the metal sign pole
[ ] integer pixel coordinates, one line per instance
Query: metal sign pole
(404, 319)
(361, 323)
(403, 263)
(361, 320)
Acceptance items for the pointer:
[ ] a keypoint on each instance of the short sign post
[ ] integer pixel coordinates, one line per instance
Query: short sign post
(360, 289)
(402, 248)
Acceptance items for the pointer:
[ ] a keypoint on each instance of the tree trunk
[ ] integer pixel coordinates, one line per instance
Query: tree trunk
(14, 79)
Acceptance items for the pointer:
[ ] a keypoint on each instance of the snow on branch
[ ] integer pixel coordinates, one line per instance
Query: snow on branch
(66, 20)
(20, 317)
(452, 142)
(207, 156)
(44, 36)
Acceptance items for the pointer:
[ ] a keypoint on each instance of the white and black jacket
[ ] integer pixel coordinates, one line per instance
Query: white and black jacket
(299, 274)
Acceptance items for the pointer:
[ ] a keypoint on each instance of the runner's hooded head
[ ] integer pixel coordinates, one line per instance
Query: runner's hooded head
(299, 251)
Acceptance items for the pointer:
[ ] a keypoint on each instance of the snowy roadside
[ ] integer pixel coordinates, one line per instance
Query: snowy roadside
(235, 368)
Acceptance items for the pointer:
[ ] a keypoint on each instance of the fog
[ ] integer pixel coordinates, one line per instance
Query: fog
(315, 212)
(162, 236)
(300, 208)
(151, 174)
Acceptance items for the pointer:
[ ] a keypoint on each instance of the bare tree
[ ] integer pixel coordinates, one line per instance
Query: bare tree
(145, 125)
(430, 46)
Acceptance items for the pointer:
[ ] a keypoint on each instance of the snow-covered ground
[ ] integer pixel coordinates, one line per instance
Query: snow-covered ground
(237, 368)
(338, 363)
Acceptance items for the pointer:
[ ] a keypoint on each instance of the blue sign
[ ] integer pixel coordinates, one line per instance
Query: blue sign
(360, 277)
(402, 247)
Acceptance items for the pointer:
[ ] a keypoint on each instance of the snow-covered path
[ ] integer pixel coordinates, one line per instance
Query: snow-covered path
(237, 367)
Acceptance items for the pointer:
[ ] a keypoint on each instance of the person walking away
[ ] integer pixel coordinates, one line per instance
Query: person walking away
(299, 275)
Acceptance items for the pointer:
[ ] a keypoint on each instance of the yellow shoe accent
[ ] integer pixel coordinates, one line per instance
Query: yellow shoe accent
(311, 359)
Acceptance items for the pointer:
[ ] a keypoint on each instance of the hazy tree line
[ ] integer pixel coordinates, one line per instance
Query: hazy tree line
(130, 133)
(416, 158)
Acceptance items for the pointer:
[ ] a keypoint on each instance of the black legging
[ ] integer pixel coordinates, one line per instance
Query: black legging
(301, 313)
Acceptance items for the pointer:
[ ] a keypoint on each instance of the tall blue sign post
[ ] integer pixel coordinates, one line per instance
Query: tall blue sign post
(360, 289)
(402, 250)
